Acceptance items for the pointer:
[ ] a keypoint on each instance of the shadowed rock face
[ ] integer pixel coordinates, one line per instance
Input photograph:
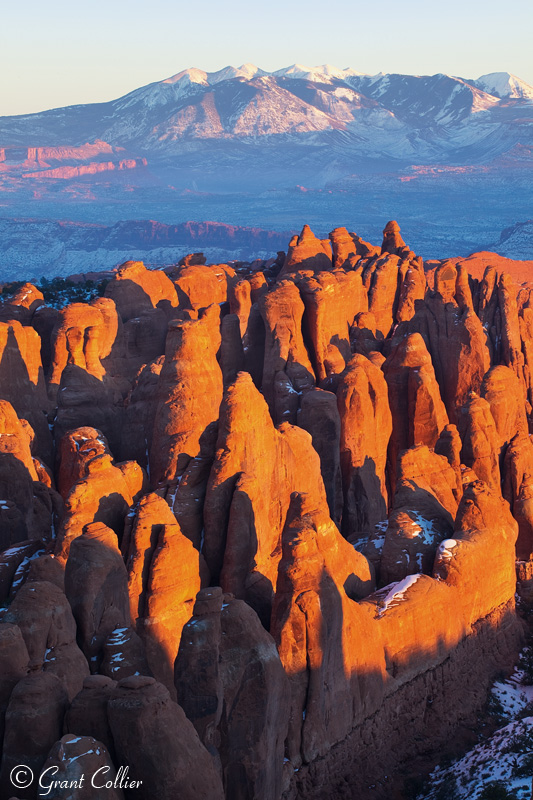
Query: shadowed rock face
(41, 698)
(135, 289)
(70, 758)
(329, 479)
(232, 686)
(44, 616)
(320, 417)
(96, 588)
(152, 732)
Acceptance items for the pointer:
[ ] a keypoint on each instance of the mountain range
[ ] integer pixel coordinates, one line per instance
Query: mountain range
(449, 157)
(340, 113)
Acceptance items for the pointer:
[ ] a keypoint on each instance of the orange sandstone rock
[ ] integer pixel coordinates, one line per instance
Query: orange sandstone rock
(189, 393)
(76, 449)
(165, 573)
(83, 335)
(392, 240)
(287, 370)
(22, 381)
(332, 300)
(366, 426)
(481, 443)
(306, 252)
(135, 289)
(418, 412)
(456, 341)
(502, 390)
(256, 468)
(319, 631)
(102, 495)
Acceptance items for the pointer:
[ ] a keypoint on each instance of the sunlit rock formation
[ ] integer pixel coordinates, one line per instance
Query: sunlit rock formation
(260, 523)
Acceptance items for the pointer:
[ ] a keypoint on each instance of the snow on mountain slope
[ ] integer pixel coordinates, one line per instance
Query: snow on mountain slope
(430, 99)
(412, 119)
(503, 84)
(322, 74)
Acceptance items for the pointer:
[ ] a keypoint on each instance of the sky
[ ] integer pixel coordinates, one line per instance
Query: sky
(61, 53)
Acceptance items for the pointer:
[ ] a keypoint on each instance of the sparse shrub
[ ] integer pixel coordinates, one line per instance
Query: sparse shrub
(59, 292)
(520, 743)
(524, 769)
(526, 665)
(495, 709)
(497, 790)
(9, 289)
(447, 790)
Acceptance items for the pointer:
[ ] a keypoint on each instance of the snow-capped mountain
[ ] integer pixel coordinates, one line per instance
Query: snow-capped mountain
(503, 84)
(409, 119)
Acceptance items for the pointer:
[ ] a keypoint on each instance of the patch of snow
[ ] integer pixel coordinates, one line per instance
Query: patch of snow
(445, 549)
(396, 593)
(504, 84)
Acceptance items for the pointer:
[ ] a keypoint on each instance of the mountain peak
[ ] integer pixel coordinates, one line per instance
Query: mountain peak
(322, 74)
(191, 75)
(504, 84)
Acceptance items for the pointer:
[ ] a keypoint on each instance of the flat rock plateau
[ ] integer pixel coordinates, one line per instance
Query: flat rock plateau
(261, 524)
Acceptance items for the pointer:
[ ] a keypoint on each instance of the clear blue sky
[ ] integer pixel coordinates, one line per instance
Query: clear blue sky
(60, 53)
